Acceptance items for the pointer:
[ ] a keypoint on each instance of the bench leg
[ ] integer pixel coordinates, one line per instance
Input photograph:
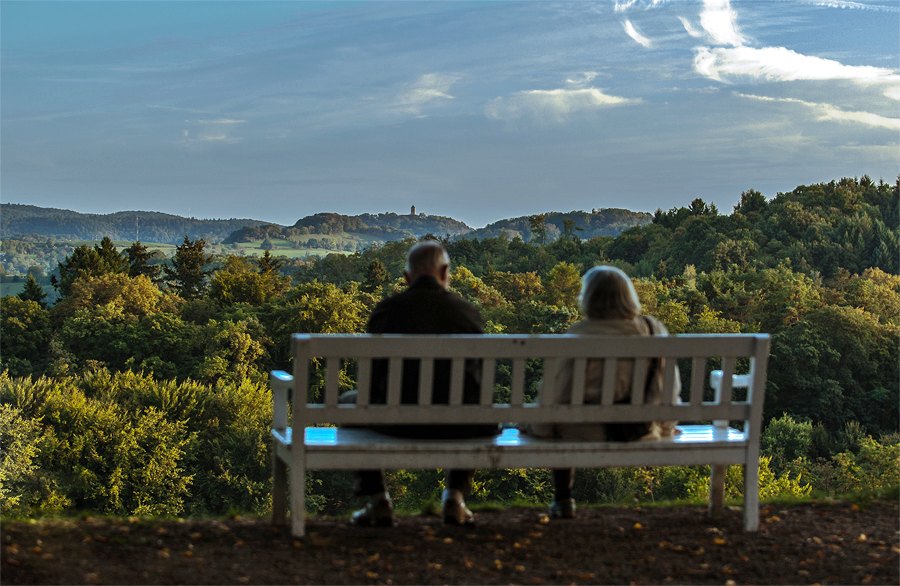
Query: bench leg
(298, 498)
(751, 498)
(279, 489)
(716, 490)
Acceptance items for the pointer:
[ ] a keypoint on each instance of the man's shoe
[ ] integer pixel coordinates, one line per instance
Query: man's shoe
(454, 509)
(562, 509)
(378, 512)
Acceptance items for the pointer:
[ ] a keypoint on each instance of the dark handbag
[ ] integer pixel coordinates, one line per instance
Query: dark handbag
(629, 432)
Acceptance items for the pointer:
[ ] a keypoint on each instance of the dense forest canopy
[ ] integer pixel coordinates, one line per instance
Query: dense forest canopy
(175, 351)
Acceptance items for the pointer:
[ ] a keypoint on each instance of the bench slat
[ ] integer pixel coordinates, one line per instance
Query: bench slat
(363, 380)
(332, 380)
(639, 381)
(395, 377)
(517, 388)
(457, 379)
(579, 371)
(608, 390)
(426, 379)
(669, 380)
(698, 378)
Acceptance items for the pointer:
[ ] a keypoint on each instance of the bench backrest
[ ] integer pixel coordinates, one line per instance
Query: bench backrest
(334, 352)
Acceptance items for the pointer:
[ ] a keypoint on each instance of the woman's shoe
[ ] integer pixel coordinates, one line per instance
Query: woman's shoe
(454, 509)
(562, 509)
(378, 512)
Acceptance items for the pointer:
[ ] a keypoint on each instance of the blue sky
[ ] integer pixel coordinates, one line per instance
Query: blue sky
(479, 111)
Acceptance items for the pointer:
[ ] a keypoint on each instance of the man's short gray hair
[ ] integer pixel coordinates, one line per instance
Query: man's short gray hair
(426, 258)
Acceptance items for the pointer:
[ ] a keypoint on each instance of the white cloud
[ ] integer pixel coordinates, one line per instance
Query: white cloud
(586, 77)
(218, 130)
(637, 36)
(690, 28)
(551, 105)
(853, 5)
(719, 21)
(827, 112)
(781, 64)
(428, 88)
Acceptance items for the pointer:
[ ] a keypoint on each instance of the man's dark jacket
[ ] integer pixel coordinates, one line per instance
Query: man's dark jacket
(427, 308)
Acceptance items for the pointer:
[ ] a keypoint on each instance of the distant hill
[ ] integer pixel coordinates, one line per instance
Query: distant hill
(388, 226)
(602, 222)
(67, 225)
(18, 221)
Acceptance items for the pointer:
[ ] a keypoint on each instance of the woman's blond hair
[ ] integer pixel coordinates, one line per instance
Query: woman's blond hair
(607, 293)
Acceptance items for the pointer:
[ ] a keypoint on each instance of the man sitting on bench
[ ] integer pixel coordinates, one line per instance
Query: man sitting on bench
(426, 307)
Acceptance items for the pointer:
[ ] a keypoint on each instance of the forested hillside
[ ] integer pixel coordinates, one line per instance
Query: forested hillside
(42, 223)
(143, 390)
(602, 222)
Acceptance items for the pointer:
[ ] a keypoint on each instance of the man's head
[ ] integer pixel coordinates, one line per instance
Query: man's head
(428, 258)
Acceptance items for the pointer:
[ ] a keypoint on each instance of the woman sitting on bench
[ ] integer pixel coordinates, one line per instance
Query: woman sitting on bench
(611, 307)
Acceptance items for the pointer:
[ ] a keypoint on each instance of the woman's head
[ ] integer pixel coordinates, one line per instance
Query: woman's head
(607, 293)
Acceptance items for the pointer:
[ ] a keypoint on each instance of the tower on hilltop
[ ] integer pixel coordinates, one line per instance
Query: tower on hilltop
(412, 211)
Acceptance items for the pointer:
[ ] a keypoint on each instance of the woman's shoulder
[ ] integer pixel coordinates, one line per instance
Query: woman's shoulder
(656, 327)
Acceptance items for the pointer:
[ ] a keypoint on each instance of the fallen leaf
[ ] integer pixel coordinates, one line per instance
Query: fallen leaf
(162, 554)
(719, 541)
(371, 575)
(196, 535)
(585, 576)
(854, 507)
(243, 579)
(448, 540)
(468, 563)
(374, 557)
(535, 534)
(817, 540)
(744, 558)
(638, 526)
(498, 564)
(298, 544)
(188, 554)
(519, 568)
(698, 551)
(861, 538)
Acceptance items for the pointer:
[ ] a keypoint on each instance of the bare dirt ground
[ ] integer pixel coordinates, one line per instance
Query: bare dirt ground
(824, 543)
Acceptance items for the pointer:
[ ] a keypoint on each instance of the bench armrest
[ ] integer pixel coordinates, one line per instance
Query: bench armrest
(281, 383)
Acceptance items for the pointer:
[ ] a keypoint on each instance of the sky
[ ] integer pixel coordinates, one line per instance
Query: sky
(479, 111)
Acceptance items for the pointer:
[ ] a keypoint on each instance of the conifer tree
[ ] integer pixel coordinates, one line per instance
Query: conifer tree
(33, 292)
(188, 274)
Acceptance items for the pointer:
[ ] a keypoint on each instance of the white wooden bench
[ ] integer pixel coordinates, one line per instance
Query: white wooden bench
(709, 441)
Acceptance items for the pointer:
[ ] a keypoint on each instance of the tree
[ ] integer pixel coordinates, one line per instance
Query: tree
(562, 285)
(188, 272)
(33, 292)
(138, 258)
(376, 276)
(268, 263)
(238, 282)
(537, 225)
(86, 261)
(569, 229)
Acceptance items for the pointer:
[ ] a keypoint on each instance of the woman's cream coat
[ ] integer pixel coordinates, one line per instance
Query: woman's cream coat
(559, 391)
